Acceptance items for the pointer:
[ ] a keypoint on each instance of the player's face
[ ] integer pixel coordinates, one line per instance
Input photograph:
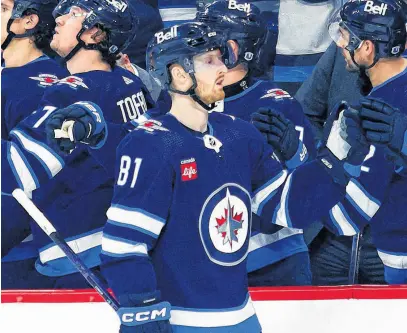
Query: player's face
(210, 72)
(6, 9)
(67, 27)
(343, 42)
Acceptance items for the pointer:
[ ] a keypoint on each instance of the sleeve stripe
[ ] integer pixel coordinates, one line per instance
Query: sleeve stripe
(282, 217)
(78, 245)
(262, 195)
(51, 162)
(136, 217)
(397, 261)
(361, 199)
(126, 225)
(22, 170)
(121, 247)
(342, 221)
(260, 240)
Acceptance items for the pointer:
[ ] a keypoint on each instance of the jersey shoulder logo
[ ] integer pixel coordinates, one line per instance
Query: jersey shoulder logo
(73, 82)
(277, 94)
(151, 125)
(45, 80)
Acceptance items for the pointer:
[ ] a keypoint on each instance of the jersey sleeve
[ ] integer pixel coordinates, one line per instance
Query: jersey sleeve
(364, 195)
(138, 213)
(27, 154)
(292, 199)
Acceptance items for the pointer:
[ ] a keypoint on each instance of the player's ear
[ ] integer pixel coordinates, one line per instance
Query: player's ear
(93, 35)
(179, 78)
(234, 47)
(30, 21)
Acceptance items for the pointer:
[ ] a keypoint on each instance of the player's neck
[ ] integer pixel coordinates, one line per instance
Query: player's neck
(189, 113)
(385, 70)
(20, 52)
(235, 74)
(86, 61)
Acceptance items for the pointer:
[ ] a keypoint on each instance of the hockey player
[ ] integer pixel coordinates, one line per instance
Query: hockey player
(179, 225)
(279, 257)
(373, 36)
(27, 28)
(88, 35)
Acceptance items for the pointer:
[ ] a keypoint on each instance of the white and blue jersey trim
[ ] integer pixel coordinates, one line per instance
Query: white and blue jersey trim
(263, 194)
(51, 162)
(119, 247)
(267, 249)
(242, 319)
(22, 170)
(393, 259)
(363, 202)
(135, 218)
(53, 262)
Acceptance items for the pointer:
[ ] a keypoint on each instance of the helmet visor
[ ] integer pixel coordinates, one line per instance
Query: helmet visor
(342, 35)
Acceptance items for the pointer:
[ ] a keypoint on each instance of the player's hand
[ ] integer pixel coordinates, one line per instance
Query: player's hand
(144, 313)
(344, 147)
(384, 125)
(281, 134)
(80, 122)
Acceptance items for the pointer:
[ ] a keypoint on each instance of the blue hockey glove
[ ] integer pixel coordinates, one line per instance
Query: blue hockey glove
(384, 125)
(144, 313)
(344, 147)
(80, 122)
(280, 133)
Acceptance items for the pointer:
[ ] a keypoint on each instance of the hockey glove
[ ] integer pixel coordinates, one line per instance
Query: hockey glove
(80, 122)
(280, 133)
(344, 147)
(144, 313)
(385, 125)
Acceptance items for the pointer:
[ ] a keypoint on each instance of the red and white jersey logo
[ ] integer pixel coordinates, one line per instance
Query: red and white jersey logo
(45, 80)
(74, 82)
(189, 170)
(276, 94)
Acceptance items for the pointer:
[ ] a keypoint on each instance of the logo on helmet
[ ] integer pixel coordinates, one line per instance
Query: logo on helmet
(161, 37)
(372, 9)
(396, 49)
(244, 7)
(119, 5)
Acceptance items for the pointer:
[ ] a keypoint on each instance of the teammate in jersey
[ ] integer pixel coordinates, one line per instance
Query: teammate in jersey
(179, 226)
(372, 35)
(27, 28)
(279, 257)
(88, 35)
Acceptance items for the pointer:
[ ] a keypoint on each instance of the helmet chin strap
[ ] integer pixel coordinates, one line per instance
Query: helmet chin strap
(12, 35)
(191, 92)
(363, 67)
(81, 44)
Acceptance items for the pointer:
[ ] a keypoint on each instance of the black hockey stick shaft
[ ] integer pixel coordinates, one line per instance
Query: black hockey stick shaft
(49, 229)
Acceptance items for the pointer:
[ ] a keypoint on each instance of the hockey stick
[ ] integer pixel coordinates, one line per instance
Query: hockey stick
(353, 277)
(49, 229)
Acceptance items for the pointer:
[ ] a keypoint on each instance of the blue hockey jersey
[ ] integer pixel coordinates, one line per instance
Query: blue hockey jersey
(76, 199)
(180, 219)
(22, 88)
(275, 245)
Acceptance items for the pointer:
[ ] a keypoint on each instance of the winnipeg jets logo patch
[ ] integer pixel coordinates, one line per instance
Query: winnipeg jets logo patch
(277, 94)
(225, 223)
(73, 82)
(45, 80)
(151, 126)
